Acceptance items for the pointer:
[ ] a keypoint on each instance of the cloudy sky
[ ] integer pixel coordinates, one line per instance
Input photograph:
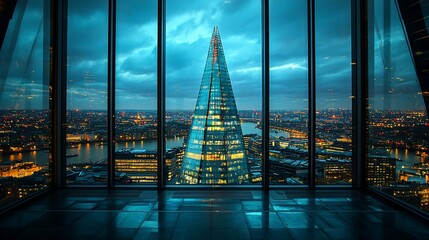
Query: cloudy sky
(189, 28)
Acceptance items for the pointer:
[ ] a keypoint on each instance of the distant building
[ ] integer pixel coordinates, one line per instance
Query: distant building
(139, 165)
(215, 150)
(335, 171)
(173, 164)
(254, 148)
(424, 196)
(246, 139)
(412, 192)
(7, 189)
(283, 169)
(381, 170)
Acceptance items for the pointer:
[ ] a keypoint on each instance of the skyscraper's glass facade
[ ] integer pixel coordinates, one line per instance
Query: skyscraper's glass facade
(215, 150)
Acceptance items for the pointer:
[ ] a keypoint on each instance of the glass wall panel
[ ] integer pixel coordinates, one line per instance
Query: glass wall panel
(25, 117)
(288, 92)
(333, 92)
(398, 125)
(87, 92)
(213, 91)
(136, 98)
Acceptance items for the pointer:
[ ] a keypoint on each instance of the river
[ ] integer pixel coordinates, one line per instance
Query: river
(95, 151)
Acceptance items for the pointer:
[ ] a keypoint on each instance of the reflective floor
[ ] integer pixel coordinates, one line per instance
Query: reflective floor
(210, 214)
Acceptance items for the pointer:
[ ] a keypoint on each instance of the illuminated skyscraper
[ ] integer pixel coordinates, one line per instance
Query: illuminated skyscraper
(215, 150)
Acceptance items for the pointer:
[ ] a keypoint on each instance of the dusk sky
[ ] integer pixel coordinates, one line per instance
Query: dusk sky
(189, 27)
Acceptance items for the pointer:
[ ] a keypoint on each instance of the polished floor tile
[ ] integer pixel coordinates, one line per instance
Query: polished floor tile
(210, 214)
(263, 220)
(160, 220)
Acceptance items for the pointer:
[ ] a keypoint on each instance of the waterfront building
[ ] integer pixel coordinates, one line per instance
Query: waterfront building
(140, 166)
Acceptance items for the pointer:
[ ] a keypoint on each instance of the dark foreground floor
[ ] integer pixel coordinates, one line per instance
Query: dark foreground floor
(210, 214)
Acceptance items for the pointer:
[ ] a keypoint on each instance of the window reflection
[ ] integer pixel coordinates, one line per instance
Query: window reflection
(397, 117)
(25, 119)
(86, 119)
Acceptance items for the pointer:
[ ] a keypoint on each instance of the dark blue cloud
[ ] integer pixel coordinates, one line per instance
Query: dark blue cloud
(189, 28)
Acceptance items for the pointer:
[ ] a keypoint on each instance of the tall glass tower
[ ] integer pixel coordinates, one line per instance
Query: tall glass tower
(215, 150)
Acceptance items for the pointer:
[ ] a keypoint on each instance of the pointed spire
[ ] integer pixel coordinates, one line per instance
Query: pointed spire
(215, 39)
(215, 30)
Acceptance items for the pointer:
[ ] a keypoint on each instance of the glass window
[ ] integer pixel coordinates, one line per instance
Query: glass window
(333, 92)
(25, 118)
(213, 91)
(136, 98)
(86, 121)
(398, 125)
(288, 92)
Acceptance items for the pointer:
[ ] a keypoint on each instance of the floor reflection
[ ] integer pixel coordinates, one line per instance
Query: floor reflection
(210, 214)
